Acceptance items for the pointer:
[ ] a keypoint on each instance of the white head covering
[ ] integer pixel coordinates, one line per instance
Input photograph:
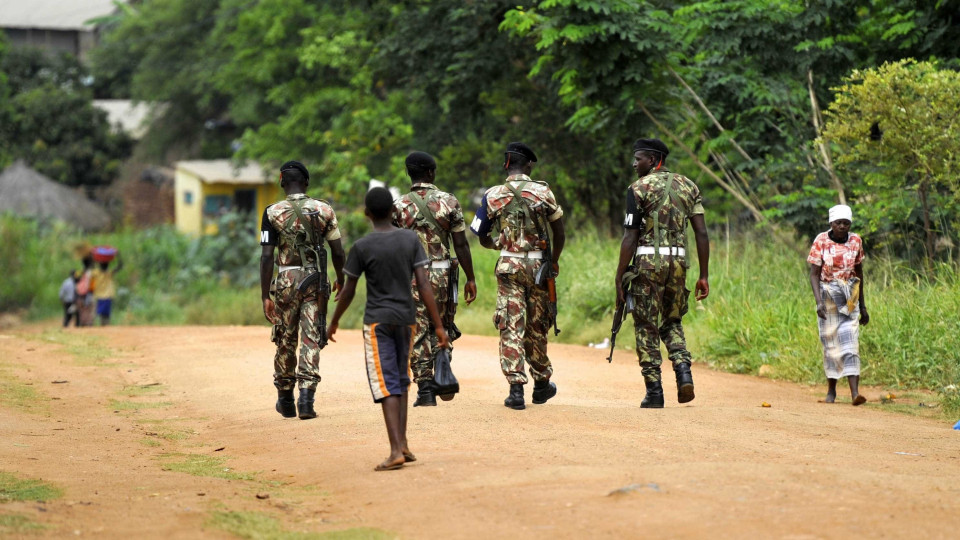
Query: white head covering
(840, 211)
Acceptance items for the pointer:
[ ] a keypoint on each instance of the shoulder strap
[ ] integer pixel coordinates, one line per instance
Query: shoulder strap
(428, 215)
(518, 199)
(667, 199)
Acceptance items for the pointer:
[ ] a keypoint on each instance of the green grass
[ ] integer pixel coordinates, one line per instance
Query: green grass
(19, 524)
(17, 395)
(260, 526)
(16, 489)
(138, 390)
(200, 465)
(118, 405)
(86, 350)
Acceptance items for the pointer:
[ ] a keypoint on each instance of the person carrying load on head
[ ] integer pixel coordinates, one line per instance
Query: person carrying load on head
(297, 227)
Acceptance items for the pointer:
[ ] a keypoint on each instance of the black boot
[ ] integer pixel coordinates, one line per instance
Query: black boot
(425, 395)
(684, 382)
(285, 404)
(515, 399)
(543, 390)
(305, 403)
(654, 399)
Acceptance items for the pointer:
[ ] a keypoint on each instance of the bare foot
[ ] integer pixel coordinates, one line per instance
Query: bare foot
(391, 464)
(859, 400)
(408, 456)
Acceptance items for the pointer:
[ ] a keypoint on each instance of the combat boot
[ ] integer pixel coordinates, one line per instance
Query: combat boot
(515, 399)
(285, 404)
(543, 390)
(654, 399)
(426, 396)
(305, 403)
(684, 382)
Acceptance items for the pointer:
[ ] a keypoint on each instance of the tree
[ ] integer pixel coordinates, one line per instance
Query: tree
(897, 125)
(50, 121)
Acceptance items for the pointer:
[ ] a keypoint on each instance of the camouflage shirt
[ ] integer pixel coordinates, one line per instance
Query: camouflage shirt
(649, 194)
(515, 235)
(280, 226)
(446, 210)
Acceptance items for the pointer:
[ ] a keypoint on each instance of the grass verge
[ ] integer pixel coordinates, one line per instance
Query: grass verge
(16, 489)
(86, 350)
(259, 526)
(200, 465)
(118, 405)
(19, 524)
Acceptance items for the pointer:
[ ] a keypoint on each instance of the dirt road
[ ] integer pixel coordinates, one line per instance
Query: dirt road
(199, 401)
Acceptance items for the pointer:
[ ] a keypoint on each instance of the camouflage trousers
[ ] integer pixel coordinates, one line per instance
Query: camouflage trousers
(425, 348)
(521, 317)
(661, 302)
(298, 314)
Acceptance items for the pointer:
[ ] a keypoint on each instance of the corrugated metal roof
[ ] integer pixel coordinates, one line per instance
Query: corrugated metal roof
(129, 116)
(223, 171)
(52, 14)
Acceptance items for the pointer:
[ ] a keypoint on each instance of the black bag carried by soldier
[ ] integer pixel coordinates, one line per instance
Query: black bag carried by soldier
(446, 383)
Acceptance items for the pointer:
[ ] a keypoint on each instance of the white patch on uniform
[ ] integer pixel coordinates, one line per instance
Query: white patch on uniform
(475, 224)
(628, 220)
(264, 237)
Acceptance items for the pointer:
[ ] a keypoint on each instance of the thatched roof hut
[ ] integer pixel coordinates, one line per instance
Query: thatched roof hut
(25, 192)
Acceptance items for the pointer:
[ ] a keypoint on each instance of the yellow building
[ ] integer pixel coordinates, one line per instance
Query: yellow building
(206, 189)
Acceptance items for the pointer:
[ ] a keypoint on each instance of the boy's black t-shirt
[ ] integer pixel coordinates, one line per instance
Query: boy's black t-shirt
(388, 259)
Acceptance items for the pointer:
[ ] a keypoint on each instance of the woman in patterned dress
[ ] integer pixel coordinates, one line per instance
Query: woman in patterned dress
(836, 277)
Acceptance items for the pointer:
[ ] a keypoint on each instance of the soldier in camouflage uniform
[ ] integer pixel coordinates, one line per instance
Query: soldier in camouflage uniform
(659, 204)
(281, 227)
(522, 307)
(443, 219)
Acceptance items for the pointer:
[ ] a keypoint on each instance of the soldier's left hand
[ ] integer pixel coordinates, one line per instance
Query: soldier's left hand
(270, 310)
(337, 288)
(443, 341)
(702, 288)
(470, 291)
(556, 269)
(331, 330)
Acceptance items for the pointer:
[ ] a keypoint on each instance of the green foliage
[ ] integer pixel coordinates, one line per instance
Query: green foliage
(16, 489)
(47, 118)
(904, 105)
(18, 524)
(200, 465)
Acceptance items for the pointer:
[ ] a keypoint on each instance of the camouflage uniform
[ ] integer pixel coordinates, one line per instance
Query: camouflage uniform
(296, 311)
(446, 210)
(521, 314)
(659, 281)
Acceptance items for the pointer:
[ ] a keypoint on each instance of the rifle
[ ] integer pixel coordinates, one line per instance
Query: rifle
(618, 316)
(316, 267)
(453, 299)
(546, 277)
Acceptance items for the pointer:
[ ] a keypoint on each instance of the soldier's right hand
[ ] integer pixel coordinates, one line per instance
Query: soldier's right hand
(443, 341)
(470, 291)
(619, 292)
(331, 330)
(270, 310)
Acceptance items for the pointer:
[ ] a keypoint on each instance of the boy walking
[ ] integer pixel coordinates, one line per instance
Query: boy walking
(390, 257)
(68, 296)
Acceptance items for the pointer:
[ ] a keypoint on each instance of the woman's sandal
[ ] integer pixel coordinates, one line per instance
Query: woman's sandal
(390, 465)
(408, 456)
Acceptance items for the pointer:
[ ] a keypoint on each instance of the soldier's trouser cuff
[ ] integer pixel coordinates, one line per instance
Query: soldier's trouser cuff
(284, 383)
(651, 372)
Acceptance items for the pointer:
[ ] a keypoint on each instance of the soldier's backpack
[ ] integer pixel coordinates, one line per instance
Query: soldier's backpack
(426, 218)
(516, 216)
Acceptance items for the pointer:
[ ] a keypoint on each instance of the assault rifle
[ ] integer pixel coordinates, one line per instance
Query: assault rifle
(618, 316)
(316, 268)
(546, 277)
(453, 299)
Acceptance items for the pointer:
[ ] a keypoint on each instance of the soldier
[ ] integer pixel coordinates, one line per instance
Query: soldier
(659, 204)
(296, 224)
(518, 210)
(436, 217)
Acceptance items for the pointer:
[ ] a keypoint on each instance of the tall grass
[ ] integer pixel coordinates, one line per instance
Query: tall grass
(760, 310)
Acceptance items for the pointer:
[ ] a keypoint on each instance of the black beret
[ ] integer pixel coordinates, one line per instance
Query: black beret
(521, 149)
(651, 145)
(291, 165)
(421, 160)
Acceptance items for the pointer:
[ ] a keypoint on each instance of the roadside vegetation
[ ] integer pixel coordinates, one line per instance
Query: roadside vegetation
(760, 311)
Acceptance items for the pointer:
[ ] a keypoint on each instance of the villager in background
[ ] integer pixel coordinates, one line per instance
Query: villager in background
(518, 212)
(298, 226)
(85, 302)
(68, 297)
(104, 284)
(836, 277)
(659, 205)
(437, 218)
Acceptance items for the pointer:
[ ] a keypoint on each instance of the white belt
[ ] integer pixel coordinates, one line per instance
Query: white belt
(288, 268)
(440, 264)
(670, 250)
(522, 254)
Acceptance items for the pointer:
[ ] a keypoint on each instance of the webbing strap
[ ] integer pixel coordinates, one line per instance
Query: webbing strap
(518, 199)
(667, 199)
(429, 217)
(309, 239)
